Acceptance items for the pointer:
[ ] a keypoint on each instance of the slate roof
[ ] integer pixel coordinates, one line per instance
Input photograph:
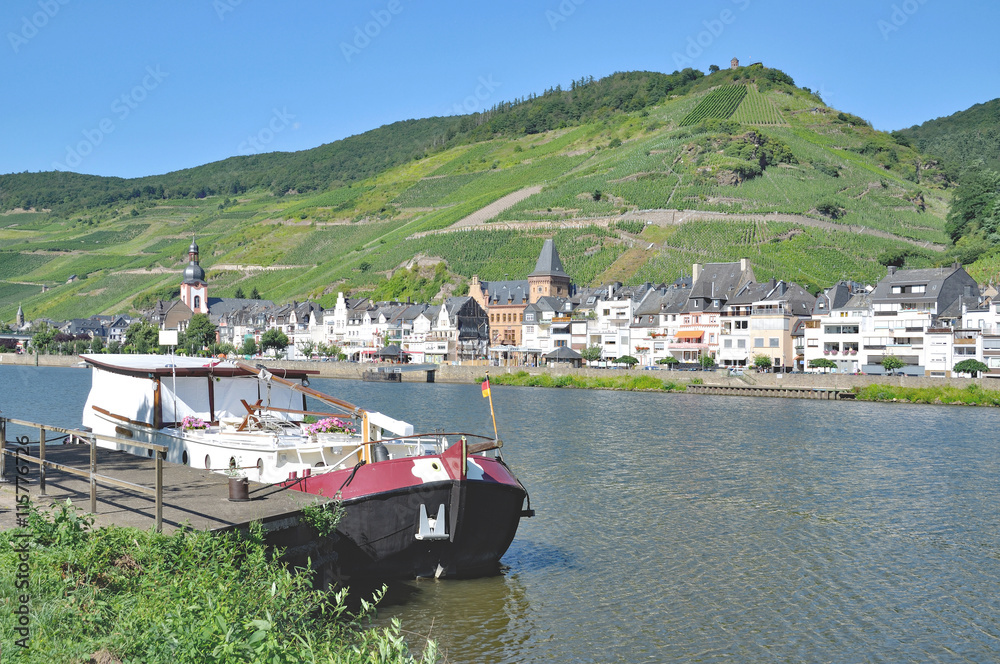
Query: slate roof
(563, 353)
(506, 292)
(548, 264)
(717, 282)
(798, 301)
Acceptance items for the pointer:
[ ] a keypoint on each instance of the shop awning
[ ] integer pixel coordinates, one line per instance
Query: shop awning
(690, 334)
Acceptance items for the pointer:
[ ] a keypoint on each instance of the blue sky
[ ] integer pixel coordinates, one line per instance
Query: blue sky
(141, 87)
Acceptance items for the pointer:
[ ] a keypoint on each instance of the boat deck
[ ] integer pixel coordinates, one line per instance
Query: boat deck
(192, 498)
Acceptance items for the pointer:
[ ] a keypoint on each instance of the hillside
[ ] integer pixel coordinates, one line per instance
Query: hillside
(963, 138)
(636, 176)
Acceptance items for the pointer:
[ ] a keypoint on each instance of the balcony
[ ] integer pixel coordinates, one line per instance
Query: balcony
(963, 342)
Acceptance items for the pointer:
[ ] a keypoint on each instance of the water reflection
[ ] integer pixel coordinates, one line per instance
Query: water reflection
(484, 616)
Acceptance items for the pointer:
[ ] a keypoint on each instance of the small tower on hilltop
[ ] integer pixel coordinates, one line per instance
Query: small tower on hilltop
(19, 319)
(549, 279)
(734, 63)
(194, 288)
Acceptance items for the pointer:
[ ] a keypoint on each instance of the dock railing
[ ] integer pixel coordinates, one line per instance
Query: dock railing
(91, 474)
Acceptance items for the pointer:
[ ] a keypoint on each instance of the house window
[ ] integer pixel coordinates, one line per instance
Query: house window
(773, 342)
(607, 312)
(727, 343)
(529, 317)
(657, 345)
(758, 343)
(741, 343)
(529, 329)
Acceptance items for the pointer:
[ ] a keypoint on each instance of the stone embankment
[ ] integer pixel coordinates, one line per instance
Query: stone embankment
(471, 374)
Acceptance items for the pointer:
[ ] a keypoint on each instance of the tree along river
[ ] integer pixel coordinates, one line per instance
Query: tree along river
(676, 527)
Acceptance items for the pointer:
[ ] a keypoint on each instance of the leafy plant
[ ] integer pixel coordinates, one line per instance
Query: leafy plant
(323, 517)
(892, 363)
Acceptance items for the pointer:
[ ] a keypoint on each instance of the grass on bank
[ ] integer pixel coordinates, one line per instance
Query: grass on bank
(191, 596)
(971, 395)
(634, 383)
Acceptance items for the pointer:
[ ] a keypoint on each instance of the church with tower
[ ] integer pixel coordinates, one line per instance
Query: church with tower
(194, 288)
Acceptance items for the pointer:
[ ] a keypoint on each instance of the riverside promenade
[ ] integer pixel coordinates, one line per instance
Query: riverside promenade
(464, 374)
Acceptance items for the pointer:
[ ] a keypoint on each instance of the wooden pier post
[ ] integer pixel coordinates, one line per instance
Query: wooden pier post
(41, 457)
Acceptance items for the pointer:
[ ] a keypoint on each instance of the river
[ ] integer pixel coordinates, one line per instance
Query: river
(676, 527)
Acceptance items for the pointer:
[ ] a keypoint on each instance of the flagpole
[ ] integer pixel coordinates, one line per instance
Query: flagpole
(489, 393)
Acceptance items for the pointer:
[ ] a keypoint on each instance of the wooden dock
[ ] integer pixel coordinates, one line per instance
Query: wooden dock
(781, 392)
(189, 498)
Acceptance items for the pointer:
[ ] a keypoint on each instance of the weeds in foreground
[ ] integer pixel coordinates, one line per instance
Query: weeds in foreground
(971, 395)
(191, 596)
(636, 382)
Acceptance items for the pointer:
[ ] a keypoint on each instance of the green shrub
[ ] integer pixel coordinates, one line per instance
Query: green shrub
(172, 599)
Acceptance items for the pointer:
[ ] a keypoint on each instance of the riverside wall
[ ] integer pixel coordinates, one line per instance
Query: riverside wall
(447, 373)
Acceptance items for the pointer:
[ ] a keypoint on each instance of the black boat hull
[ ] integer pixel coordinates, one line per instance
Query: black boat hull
(380, 533)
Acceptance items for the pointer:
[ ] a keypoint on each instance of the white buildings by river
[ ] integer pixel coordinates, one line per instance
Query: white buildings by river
(930, 319)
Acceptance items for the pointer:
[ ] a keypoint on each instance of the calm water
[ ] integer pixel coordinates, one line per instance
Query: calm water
(709, 529)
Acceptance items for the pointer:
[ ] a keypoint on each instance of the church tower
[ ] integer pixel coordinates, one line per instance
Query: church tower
(19, 319)
(194, 288)
(549, 279)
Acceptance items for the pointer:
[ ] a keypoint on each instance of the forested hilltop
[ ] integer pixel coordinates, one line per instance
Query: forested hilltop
(636, 176)
(968, 145)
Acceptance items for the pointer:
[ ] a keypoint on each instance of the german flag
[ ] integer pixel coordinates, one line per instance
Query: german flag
(486, 388)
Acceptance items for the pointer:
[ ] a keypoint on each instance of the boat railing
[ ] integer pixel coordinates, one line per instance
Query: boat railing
(91, 474)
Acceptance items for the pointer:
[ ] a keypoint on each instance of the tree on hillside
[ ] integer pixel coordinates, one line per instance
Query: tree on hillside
(973, 202)
(42, 337)
(200, 333)
(970, 366)
(239, 294)
(627, 360)
(591, 353)
(822, 363)
(713, 68)
(273, 339)
(761, 362)
(670, 361)
(891, 363)
(255, 294)
(249, 346)
(143, 337)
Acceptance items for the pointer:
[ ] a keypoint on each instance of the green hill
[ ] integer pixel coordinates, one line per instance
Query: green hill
(608, 168)
(963, 138)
